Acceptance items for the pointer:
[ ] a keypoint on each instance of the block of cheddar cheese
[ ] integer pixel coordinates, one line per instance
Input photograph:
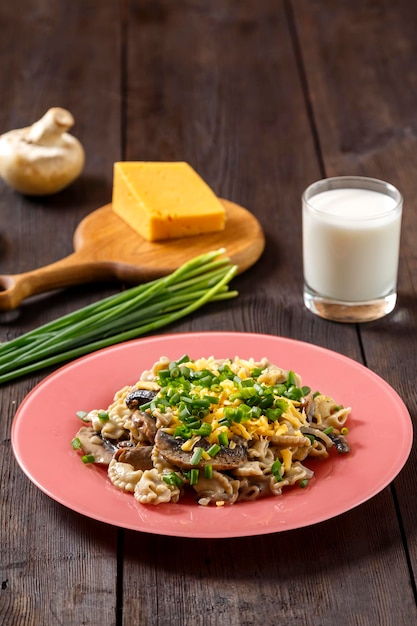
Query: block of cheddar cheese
(163, 200)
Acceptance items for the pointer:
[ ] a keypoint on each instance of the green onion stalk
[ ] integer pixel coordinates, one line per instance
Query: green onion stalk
(126, 315)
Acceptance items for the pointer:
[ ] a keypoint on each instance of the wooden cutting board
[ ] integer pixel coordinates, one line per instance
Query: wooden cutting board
(106, 247)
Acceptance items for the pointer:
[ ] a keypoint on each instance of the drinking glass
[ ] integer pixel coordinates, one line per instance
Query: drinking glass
(351, 243)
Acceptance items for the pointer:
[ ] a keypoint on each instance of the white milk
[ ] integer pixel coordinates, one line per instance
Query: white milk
(351, 240)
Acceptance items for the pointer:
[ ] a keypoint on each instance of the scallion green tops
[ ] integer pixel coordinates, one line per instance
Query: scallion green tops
(123, 316)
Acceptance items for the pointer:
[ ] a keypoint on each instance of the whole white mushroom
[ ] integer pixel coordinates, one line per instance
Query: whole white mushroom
(43, 158)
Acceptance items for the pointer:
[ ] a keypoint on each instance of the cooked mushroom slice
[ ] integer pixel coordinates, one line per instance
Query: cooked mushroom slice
(139, 456)
(226, 459)
(340, 443)
(145, 425)
(92, 443)
(329, 439)
(138, 397)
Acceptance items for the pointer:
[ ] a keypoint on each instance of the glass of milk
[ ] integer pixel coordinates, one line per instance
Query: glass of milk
(351, 242)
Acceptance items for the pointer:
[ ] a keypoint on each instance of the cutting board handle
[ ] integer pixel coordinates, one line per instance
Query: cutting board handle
(106, 247)
(71, 270)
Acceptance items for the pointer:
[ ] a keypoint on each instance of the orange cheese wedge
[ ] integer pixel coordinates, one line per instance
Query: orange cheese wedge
(165, 200)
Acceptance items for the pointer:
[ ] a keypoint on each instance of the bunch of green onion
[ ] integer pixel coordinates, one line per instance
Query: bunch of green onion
(134, 312)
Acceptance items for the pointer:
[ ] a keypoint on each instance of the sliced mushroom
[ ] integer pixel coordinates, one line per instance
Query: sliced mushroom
(92, 443)
(329, 439)
(140, 457)
(137, 397)
(340, 443)
(317, 434)
(226, 459)
(145, 425)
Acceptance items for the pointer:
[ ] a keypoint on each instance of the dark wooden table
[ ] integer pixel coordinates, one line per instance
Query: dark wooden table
(262, 98)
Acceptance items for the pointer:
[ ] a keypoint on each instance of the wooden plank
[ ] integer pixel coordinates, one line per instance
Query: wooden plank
(360, 67)
(217, 84)
(235, 109)
(322, 575)
(54, 54)
(56, 566)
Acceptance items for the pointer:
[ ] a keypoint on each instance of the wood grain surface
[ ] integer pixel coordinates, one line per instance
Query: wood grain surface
(261, 98)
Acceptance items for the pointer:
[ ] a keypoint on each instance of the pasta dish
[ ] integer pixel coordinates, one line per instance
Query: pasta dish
(226, 430)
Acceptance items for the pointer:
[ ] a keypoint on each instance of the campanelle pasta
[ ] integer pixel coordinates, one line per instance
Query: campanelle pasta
(226, 429)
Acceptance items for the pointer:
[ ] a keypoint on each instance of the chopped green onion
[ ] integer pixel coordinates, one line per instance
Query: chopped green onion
(200, 403)
(256, 411)
(273, 414)
(163, 374)
(184, 359)
(267, 401)
(194, 424)
(206, 381)
(249, 382)
(204, 430)
(303, 483)
(182, 431)
(174, 398)
(185, 371)
(82, 415)
(294, 393)
(196, 456)
(226, 371)
(276, 469)
(103, 416)
(213, 450)
(223, 438)
(281, 404)
(344, 431)
(212, 399)
(172, 479)
(328, 430)
(123, 316)
(257, 371)
(175, 372)
(280, 390)
(76, 443)
(183, 414)
(194, 473)
(235, 396)
(208, 471)
(88, 458)
(291, 379)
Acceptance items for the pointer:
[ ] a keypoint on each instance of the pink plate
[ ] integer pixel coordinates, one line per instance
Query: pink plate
(46, 422)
